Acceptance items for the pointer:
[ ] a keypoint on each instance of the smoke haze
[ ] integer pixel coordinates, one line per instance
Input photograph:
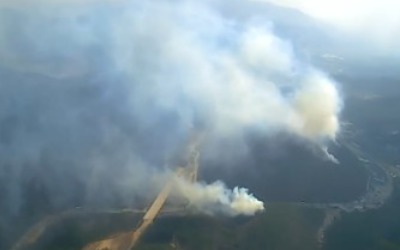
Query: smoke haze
(96, 96)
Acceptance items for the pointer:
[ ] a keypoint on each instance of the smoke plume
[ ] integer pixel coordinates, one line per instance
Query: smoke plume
(318, 104)
(96, 97)
(216, 198)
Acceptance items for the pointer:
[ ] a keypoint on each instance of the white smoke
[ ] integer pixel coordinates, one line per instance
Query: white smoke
(329, 156)
(217, 198)
(318, 104)
(228, 72)
(105, 91)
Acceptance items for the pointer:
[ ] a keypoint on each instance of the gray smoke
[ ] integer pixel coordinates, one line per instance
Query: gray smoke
(96, 96)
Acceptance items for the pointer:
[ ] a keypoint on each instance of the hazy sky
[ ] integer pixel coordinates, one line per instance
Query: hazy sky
(377, 21)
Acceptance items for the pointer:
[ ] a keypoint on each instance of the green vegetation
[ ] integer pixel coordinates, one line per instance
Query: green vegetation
(74, 232)
(377, 129)
(282, 226)
(370, 230)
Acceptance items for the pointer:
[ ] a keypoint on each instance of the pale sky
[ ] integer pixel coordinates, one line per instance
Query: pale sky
(344, 12)
(374, 22)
